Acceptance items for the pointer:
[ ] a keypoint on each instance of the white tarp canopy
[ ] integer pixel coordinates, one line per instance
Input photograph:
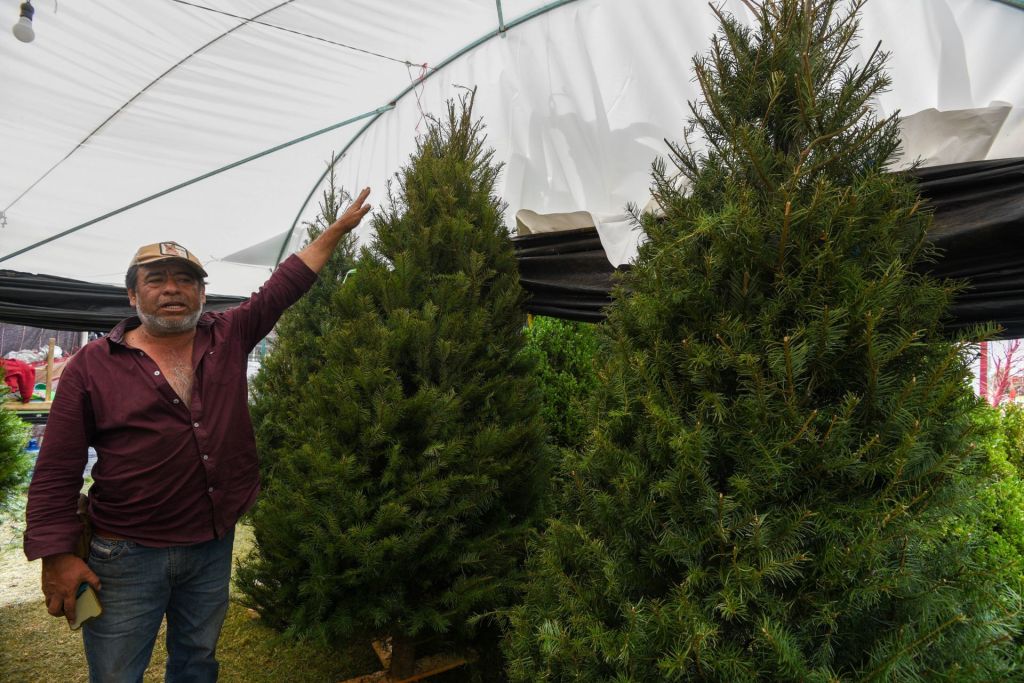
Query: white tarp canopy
(119, 100)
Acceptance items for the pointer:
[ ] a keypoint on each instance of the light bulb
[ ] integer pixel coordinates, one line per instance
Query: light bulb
(23, 30)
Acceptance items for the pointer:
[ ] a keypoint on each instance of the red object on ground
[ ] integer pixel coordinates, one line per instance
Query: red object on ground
(20, 377)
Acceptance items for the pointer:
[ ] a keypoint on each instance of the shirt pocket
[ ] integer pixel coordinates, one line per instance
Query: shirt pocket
(224, 372)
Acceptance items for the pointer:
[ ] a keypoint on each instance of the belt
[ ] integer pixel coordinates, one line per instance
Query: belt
(107, 535)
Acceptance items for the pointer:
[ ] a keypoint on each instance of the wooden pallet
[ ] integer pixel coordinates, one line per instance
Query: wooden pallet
(33, 407)
(425, 666)
(36, 413)
(38, 408)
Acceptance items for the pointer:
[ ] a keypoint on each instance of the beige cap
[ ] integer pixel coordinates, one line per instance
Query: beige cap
(166, 251)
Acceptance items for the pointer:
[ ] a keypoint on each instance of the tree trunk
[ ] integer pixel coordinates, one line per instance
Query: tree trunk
(983, 372)
(403, 657)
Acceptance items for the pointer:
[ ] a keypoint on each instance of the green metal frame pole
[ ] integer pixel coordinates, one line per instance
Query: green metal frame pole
(501, 17)
(448, 60)
(374, 113)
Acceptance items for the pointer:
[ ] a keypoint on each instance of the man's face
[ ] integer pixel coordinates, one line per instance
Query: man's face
(168, 298)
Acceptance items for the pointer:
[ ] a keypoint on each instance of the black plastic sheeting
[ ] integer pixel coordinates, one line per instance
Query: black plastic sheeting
(978, 225)
(64, 304)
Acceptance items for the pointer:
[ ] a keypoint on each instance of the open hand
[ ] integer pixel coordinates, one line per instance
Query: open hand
(316, 253)
(353, 214)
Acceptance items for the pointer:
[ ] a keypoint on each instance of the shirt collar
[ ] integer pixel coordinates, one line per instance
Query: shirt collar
(116, 335)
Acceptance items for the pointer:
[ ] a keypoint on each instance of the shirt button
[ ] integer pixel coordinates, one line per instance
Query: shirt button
(196, 425)
(206, 457)
(177, 401)
(210, 490)
(156, 372)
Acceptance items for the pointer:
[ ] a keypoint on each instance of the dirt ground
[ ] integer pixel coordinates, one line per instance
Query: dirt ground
(36, 648)
(19, 578)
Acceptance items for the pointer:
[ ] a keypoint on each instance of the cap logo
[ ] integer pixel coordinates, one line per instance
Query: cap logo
(162, 251)
(173, 249)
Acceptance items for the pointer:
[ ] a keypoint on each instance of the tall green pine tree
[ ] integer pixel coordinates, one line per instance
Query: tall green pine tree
(783, 448)
(406, 471)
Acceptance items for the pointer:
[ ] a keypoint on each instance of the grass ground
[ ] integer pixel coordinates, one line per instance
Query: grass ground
(36, 648)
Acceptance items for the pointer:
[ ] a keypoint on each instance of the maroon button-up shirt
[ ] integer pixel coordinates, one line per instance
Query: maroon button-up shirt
(166, 474)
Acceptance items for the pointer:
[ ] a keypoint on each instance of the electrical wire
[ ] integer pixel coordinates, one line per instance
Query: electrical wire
(295, 32)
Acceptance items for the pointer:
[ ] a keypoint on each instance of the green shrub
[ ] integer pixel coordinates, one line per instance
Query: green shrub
(1012, 434)
(14, 464)
(1001, 503)
(563, 352)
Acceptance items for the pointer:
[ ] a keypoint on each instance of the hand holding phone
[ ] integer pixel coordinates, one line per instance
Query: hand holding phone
(87, 606)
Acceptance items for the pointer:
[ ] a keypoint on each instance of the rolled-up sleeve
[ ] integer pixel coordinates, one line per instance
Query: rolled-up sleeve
(52, 526)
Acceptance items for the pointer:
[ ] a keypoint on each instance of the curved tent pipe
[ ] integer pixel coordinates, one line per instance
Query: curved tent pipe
(577, 105)
(501, 30)
(312, 190)
(375, 113)
(134, 97)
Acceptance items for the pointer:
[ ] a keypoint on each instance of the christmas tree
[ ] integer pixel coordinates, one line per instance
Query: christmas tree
(782, 464)
(14, 464)
(407, 469)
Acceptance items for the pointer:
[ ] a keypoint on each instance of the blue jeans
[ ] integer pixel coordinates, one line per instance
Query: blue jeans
(187, 583)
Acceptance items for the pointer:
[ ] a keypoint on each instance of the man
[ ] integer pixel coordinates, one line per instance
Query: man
(163, 399)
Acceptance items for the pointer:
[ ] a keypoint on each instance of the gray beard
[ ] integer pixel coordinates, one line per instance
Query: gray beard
(158, 325)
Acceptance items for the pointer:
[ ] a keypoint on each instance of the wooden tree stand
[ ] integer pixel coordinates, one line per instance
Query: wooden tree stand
(407, 668)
